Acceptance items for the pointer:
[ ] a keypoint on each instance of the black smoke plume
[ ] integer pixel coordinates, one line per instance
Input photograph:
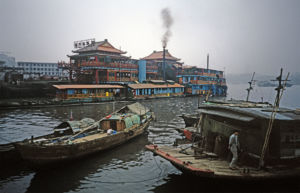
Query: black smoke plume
(167, 23)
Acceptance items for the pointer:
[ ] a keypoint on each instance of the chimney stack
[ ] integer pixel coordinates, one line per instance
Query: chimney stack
(207, 61)
(164, 62)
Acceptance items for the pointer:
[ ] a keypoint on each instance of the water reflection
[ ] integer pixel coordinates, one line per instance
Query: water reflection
(115, 165)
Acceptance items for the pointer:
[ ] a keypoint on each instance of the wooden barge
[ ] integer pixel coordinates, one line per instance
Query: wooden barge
(65, 144)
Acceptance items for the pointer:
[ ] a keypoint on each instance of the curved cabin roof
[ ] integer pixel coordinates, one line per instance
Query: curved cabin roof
(104, 46)
(247, 111)
(158, 55)
(85, 86)
(76, 125)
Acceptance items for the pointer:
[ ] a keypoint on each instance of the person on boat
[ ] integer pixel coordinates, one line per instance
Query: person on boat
(234, 145)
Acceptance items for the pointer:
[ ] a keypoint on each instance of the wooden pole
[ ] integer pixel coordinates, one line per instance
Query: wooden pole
(273, 115)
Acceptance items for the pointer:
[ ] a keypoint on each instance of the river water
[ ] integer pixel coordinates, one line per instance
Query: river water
(129, 167)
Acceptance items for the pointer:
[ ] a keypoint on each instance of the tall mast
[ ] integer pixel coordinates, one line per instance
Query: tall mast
(279, 89)
(250, 87)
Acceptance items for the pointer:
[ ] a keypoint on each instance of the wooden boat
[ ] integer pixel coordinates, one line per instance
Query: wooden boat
(190, 119)
(65, 144)
(209, 155)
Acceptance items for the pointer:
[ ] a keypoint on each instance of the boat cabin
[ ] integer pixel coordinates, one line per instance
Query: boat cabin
(251, 120)
(119, 122)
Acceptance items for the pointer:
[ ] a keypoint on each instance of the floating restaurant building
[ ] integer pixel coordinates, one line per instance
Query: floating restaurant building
(201, 80)
(154, 67)
(87, 93)
(105, 63)
(156, 89)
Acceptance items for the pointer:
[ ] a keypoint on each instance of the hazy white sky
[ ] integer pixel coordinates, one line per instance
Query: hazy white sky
(240, 35)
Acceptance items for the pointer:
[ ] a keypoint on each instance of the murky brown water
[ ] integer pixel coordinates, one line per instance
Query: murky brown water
(128, 168)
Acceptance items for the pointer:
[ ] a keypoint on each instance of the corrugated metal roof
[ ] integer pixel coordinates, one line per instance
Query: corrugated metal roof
(83, 86)
(141, 86)
(227, 114)
(250, 109)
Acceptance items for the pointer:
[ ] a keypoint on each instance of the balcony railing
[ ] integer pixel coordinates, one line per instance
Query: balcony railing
(109, 65)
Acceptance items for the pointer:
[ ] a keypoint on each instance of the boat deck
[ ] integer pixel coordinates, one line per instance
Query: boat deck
(209, 165)
(90, 137)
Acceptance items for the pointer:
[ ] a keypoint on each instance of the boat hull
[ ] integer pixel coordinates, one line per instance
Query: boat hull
(41, 154)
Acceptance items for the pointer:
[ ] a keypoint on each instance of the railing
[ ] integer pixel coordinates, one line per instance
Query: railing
(91, 95)
(201, 74)
(109, 65)
(202, 82)
(159, 95)
(151, 67)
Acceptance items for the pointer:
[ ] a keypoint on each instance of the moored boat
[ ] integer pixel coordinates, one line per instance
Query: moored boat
(269, 139)
(66, 144)
(209, 155)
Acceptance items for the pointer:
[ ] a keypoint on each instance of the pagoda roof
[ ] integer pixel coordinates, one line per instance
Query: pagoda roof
(104, 46)
(158, 55)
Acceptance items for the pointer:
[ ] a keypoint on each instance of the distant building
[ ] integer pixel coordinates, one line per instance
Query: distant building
(39, 69)
(9, 70)
(154, 66)
(7, 61)
(100, 62)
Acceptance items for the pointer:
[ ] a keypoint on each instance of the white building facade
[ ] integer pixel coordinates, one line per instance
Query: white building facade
(43, 69)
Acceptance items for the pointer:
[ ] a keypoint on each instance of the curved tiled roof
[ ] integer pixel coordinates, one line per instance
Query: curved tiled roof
(159, 55)
(100, 46)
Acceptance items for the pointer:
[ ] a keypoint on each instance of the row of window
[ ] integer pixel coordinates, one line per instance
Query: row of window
(37, 64)
(123, 74)
(42, 69)
(203, 78)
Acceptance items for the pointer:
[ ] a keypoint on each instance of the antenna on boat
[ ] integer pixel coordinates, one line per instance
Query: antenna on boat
(280, 87)
(280, 90)
(250, 87)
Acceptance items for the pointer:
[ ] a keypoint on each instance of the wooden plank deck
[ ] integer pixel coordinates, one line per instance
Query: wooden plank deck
(219, 167)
